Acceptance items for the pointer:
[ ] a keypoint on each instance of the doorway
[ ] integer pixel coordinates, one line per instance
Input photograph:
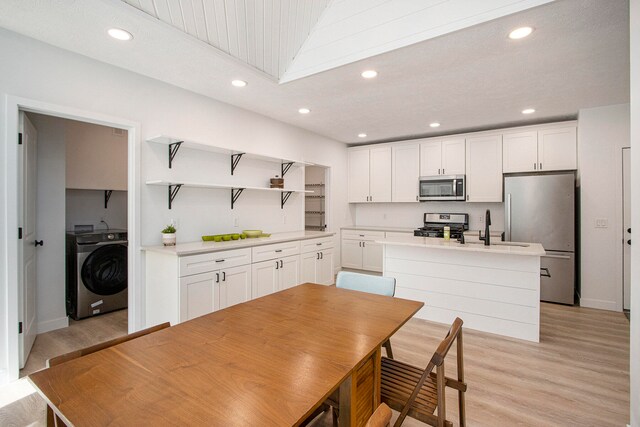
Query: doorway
(626, 229)
(14, 219)
(315, 203)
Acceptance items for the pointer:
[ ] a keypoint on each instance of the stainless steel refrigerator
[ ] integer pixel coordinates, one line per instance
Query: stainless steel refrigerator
(540, 208)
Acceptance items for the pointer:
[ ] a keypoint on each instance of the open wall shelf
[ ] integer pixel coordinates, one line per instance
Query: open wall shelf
(235, 156)
(175, 186)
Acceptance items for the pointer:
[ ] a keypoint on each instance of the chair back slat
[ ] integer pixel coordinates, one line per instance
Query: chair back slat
(447, 342)
(366, 283)
(97, 347)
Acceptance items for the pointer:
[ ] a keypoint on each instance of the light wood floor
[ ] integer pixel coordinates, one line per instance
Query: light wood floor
(578, 375)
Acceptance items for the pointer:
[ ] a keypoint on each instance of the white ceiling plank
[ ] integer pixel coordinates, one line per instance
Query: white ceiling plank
(189, 19)
(177, 20)
(268, 37)
(210, 22)
(200, 19)
(241, 29)
(162, 9)
(232, 27)
(221, 24)
(305, 25)
(250, 23)
(283, 36)
(291, 32)
(148, 7)
(259, 42)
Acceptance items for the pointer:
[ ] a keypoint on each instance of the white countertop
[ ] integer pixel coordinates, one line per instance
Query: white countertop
(531, 249)
(191, 248)
(376, 228)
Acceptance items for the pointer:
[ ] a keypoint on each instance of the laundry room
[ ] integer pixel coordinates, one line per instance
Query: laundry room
(76, 214)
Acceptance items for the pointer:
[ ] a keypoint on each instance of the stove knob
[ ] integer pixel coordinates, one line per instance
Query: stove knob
(111, 236)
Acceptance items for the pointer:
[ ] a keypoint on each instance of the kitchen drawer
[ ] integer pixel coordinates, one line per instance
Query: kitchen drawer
(391, 234)
(316, 244)
(202, 263)
(362, 235)
(278, 250)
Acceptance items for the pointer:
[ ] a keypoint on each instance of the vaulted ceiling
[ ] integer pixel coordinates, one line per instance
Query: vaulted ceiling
(467, 74)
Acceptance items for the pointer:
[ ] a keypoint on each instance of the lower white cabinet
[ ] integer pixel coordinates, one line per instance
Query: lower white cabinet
(274, 275)
(317, 267)
(360, 251)
(204, 293)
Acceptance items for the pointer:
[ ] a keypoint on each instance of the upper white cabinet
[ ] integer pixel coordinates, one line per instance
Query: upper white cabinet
(442, 157)
(540, 150)
(557, 149)
(484, 168)
(370, 174)
(405, 172)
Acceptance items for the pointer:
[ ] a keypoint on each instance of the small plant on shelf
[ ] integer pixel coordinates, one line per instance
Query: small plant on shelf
(169, 236)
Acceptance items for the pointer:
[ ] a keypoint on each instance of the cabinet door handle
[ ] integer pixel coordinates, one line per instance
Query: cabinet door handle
(224, 276)
(280, 263)
(217, 277)
(317, 255)
(278, 250)
(442, 171)
(277, 265)
(322, 255)
(540, 166)
(318, 244)
(219, 260)
(535, 166)
(363, 244)
(438, 171)
(467, 197)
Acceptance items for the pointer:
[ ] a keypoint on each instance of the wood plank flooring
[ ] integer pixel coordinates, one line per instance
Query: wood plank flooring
(578, 375)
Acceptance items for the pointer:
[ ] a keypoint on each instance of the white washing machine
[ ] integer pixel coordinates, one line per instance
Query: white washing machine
(96, 272)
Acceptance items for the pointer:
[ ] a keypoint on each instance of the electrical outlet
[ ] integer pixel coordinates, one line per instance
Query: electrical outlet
(602, 223)
(236, 222)
(481, 219)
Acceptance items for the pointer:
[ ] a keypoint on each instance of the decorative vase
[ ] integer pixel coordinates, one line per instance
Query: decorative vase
(169, 239)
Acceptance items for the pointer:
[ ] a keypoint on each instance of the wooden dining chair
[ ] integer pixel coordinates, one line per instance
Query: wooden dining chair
(52, 419)
(379, 285)
(419, 393)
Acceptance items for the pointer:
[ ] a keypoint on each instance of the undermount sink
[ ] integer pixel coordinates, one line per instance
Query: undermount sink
(519, 245)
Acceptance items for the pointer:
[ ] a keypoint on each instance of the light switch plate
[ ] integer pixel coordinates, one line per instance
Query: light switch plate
(602, 223)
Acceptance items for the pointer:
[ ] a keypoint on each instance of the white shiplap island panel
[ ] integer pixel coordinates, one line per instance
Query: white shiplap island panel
(493, 289)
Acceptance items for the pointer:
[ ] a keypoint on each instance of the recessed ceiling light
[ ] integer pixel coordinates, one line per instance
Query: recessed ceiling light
(362, 135)
(369, 74)
(528, 111)
(435, 125)
(119, 34)
(304, 111)
(520, 33)
(239, 83)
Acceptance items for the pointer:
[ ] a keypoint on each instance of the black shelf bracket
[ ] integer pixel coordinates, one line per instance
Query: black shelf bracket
(173, 150)
(173, 192)
(284, 168)
(235, 193)
(107, 196)
(284, 196)
(235, 159)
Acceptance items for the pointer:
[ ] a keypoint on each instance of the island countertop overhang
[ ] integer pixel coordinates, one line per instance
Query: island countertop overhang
(503, 248)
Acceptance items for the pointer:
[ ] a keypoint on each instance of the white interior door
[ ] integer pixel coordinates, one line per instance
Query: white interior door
(626, 198)
(27, 275)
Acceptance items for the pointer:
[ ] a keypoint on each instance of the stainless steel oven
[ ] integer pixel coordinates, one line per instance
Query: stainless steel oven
(443, 187)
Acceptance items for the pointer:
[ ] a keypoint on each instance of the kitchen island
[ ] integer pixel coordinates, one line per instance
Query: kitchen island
(492, 288)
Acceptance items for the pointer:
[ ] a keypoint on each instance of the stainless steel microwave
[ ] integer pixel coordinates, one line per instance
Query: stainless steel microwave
(442, 187)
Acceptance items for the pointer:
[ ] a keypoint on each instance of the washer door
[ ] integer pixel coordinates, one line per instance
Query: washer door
(104, 271)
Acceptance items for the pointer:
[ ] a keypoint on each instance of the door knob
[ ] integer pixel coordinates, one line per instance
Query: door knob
(39, 243)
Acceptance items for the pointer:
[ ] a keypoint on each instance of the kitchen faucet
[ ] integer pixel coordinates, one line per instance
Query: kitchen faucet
(487, 233)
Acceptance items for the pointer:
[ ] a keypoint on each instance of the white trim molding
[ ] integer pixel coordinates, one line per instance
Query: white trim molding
(600, 304)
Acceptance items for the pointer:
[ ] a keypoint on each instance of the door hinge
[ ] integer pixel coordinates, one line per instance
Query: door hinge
(19, 327)
(20, 138)
(19, 233)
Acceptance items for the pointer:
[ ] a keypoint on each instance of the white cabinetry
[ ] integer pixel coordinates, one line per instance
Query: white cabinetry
(317, 261)
(370, 174)
(234, 286)
(484, 168)
(197, 296)
(405, 172)
(540, 150)
(442, 157)
(360, 251)
(274, 275)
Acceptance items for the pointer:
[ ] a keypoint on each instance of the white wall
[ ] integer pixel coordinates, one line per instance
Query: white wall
(635, 212)
(41, 72)
(86, 207)
(50, 291)
(411, 214)
(602, 133)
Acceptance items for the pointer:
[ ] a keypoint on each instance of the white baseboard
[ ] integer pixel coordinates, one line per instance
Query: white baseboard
(3, 377)
(599, 303)
(52, 325)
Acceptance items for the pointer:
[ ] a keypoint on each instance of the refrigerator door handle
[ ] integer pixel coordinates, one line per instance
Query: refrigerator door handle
(557, 256)
(544, 272)
(508, 215)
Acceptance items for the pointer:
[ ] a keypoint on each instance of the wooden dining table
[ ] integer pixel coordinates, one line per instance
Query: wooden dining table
(271, 361)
